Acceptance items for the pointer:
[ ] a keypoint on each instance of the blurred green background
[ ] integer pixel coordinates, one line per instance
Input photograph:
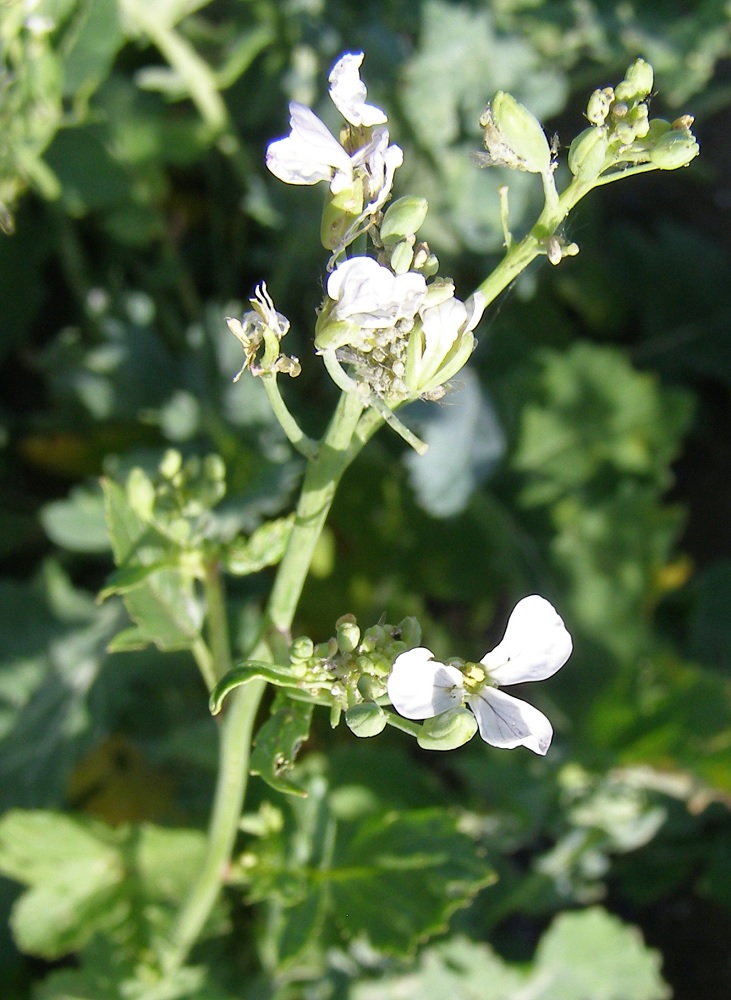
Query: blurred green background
(589, 462)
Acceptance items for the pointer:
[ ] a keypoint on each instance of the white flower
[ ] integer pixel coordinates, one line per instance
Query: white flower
(536, 644)
(373, 297)
(443, 342)
(348, 92)
(310, 153)
(379, 163)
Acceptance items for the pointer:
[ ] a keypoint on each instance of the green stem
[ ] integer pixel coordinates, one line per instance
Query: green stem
(217, 620)
(304, 445)
(235, 746)
(341, 443)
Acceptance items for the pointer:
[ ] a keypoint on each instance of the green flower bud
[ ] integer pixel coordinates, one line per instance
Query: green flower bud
(348, 636)
(172, 463)
(676, 148)
(598, 107)
(639, 79)
(340, 212)
(587, 153)
(404, 217)
(370, 687)
(373, 637)
(425, 260)
(447, 731)
(410, 630)
(140, 493)
(514, 137)
(625, 133)
(402, 257)
(366, 719)
(326, 650)
(302, 648)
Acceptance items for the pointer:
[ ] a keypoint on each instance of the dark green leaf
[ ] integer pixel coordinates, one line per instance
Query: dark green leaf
(278, 742)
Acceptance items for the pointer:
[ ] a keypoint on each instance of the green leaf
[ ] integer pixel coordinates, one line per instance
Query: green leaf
(85, 878)
(73, 873)
(90, 45)
(597, 415)
(77, 522)
(247, 671)
(278, 742)
(593, 954)
(589, 955)
(457, 969)
(164, 606)
(401, 877)
(265, 547)
(129, 576)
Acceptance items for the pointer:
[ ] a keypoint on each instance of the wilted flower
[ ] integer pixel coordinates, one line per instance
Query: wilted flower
(536, 644)
(262, 326)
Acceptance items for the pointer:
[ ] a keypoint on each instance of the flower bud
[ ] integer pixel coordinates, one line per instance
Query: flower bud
(370, 688)
(447, 731)
(598, 107)
(404, 217)
(140, 493)
(638, 81)
(373, 637)
(402, 257)
(339, 213)
(587, 153)
(410, 630)
(348, 635)
(676, 148)
(302, 648)
(366, 719)
(172, 463)
(514, 137)
(326, 650)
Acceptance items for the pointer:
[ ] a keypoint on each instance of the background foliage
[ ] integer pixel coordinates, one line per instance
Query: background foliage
(589, 462)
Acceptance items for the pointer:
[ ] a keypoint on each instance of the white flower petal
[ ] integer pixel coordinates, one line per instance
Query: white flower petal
(536, 644)
(310, 153)
(420, 687)
(508, 722)
(348, 92)
(371, 296)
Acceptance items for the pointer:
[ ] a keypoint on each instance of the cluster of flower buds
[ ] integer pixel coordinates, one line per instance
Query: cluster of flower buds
(351, 669)
(183, 491)
(622, 133)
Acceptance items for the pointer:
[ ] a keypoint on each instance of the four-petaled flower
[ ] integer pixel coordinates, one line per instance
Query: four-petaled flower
(536, 644)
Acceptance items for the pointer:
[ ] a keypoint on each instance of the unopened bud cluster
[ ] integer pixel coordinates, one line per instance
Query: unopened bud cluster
(350, 670)
(622, 133)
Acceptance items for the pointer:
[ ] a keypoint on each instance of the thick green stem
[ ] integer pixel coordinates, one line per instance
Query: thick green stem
(342, 442)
